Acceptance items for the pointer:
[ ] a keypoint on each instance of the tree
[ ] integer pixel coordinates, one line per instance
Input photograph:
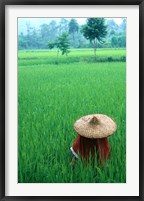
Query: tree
(61, 43)
(44, 35)
(95, 30)
(123, 25)
(119, 41)
(112, 28)
(63, 25)
(22, 41)
(53, 30)
(29, 35)
(114, 41)
(44, 30)
(73, 27)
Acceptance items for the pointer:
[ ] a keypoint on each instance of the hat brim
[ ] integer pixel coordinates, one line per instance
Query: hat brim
(104, 128)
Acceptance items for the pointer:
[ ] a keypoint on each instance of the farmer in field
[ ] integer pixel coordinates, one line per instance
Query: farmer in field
(92, 140)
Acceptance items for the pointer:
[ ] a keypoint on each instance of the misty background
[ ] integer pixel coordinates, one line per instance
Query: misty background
(36, 33)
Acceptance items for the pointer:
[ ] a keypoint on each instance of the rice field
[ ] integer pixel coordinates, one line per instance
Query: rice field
(52, 97)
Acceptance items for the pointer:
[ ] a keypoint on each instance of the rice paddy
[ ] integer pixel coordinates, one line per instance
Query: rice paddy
(51, 97)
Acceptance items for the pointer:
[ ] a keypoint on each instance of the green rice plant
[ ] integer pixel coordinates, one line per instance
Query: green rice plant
(41, 57)
(50, 99)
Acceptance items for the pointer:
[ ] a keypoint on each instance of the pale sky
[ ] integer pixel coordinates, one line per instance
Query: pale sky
(36, 22)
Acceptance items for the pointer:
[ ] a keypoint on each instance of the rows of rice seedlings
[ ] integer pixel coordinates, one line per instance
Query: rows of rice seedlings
(50, 99)
(41, 57)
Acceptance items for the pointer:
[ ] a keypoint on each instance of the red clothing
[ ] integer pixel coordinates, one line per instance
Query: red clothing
(86, 147)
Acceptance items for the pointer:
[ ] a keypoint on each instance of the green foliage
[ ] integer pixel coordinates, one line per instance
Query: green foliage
(63, 25)
(51, 45)
(61, 43)
(51, 98)
(37, 37)
(118, 41)
(95, 30)
(45, 57)
(73, 28)
(22, 42)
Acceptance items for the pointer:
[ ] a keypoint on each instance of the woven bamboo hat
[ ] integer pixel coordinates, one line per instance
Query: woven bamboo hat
(95, 126)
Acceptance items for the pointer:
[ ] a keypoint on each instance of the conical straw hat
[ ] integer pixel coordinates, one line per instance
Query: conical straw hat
(95, 126)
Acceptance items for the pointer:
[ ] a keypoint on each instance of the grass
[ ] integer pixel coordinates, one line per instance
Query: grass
(32, 57)
(50, 99)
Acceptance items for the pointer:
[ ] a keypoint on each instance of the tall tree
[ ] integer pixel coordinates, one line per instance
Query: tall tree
(45, 34)
(44, 30)
(22, 41)
(29, 35)
(73, 27)
(112, 28)
(53, 30)
(95, 30)
(63, 25)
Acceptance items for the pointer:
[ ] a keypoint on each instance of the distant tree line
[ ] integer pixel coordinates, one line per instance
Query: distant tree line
(47, 33)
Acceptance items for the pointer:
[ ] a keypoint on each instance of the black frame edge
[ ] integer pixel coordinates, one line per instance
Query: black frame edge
(2, 96)
(141, 100)
(71, 2)
(2, 101)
